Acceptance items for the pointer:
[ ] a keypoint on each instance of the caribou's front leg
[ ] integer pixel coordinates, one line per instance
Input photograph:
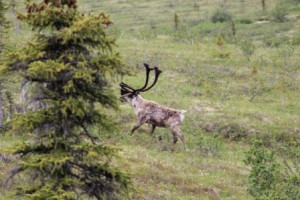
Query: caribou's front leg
(140, 123)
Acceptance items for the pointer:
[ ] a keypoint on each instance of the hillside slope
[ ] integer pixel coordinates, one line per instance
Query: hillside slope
(237, 87)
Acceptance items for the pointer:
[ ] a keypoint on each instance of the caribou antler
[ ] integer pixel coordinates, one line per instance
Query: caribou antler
(125, 88)
(157, 73)
(148, 69)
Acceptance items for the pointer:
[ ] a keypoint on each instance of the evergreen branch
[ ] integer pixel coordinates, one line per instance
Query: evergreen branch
(11, 175)
(86, 132)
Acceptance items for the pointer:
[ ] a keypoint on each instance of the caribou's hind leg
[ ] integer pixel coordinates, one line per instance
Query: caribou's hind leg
(153, 129)
(177, 133)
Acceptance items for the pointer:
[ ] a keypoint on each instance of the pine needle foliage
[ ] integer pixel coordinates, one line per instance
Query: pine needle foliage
(70, 62)
(3, 23)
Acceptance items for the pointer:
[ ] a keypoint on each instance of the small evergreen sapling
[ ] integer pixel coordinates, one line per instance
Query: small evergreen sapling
(69, 63)
(176, 21)
(263, 4)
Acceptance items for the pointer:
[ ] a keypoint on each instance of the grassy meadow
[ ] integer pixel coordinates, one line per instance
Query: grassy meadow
(239, 81)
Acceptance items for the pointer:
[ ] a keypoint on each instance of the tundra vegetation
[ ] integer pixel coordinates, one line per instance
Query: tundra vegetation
(233, 65)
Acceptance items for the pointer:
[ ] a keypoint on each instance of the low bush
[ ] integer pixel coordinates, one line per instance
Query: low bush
(234, 132)
(275, 41)
(279, 12)
(245, 21)
(247, 47)
(270, 179)
(296, 40)
(263, 173)
(221, 16)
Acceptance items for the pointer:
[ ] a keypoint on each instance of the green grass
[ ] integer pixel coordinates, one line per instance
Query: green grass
(214, 83)
(212, 90)
(161, 174)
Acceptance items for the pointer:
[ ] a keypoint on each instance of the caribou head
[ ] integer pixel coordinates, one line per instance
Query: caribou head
(128, 93)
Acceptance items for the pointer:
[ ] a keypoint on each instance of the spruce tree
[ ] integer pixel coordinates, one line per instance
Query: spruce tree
(69, 64)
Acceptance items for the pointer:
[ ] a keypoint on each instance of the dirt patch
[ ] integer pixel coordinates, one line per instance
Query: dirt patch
(292, 17)
(261, 117)
(262, 22)
(205, 107)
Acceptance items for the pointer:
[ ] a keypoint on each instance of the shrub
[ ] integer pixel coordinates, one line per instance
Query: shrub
(270, 179)
(279, 12)
(296, 40)
(263, 174)
(274, 41)
(233, 132)
(245, 21)
(247, 48)
(221, 16)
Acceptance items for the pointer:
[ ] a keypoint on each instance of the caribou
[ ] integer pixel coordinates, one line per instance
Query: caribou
(151, 112)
